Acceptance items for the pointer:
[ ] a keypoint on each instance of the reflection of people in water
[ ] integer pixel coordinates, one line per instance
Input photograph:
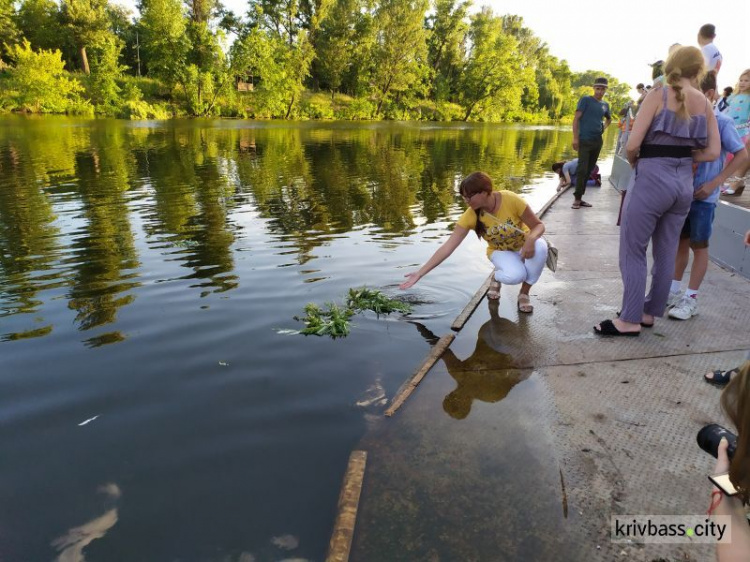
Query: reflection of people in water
(75, 540)
(489, 373)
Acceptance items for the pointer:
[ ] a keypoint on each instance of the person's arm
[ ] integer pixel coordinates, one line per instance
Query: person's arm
(536, 229)
(576, 120)
(739, 549)
(566, 173)
(640, 126)
(739, 160)
(608, 119)
(440, 255)
(713, 150)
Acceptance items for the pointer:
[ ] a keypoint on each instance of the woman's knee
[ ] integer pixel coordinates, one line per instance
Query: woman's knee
(510, 276)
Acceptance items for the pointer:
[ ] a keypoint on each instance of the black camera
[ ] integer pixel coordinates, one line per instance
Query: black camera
(710, 435)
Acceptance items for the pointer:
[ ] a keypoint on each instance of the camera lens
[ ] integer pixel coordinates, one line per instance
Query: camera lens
(709, 437)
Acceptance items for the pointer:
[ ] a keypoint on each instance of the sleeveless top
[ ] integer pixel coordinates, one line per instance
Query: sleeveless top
(667, 128)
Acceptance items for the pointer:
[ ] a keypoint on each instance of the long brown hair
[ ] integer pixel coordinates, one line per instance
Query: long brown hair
(685, 62)
(735, 401)
(476, 182)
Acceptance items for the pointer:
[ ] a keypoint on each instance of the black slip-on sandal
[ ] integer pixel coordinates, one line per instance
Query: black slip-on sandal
(721, 378)
(608, 328)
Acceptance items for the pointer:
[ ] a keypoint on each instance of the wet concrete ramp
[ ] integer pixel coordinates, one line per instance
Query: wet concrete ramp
(531, 432)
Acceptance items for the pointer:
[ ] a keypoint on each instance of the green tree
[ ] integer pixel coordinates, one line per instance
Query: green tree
(165, 45)
(530, 48)
(105, 71)
(400, 52)
(9, 32)
(446, 44)
(336, 44)
(254, 54)
(553, 78)
(358, 75)
(39, 21)
(491, 73)
(124, 27)
(89, 24)
(280, 18)
(38, 81)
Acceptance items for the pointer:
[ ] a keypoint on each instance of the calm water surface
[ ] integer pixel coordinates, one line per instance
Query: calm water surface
(153, 405)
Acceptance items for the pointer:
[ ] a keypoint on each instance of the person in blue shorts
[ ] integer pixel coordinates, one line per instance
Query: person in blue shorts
(696, 231)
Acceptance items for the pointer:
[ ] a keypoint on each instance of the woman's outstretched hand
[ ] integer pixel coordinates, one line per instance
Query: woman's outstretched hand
(411, 279)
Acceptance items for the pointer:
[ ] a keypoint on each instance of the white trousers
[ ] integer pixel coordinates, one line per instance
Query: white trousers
(510, 269)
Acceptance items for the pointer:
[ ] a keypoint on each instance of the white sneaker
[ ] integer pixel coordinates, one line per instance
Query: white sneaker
(674, 298)
(685, 309)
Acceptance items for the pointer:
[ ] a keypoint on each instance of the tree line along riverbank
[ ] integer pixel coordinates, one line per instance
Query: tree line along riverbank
(432, 60)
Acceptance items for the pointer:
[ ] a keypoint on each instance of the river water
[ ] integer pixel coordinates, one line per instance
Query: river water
(155, 403)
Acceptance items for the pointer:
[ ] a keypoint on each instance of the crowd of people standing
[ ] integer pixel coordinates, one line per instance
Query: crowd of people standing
(685, 143)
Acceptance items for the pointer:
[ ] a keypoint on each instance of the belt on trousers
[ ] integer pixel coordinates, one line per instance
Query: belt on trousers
(665, 151)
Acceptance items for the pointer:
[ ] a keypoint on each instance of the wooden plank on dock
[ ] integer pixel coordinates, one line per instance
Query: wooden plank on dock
(408, 387)
(549, 203)
(469, 309)
(351, 489)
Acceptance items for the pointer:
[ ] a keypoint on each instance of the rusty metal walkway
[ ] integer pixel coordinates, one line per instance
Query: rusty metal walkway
(531, 432)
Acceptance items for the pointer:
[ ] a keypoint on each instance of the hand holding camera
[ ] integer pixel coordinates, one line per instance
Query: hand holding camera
(721, 443)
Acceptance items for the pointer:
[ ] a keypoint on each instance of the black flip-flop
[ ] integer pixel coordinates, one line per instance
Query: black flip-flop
(721, 378)
(584, 204)
(642, 323)
(608, 328)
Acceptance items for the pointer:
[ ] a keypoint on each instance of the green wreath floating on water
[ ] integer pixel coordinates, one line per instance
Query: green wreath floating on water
(333, 321)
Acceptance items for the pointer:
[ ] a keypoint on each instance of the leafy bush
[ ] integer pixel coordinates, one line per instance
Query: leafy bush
(39, 83)
(357, 109)
(445, 111)
(317, 109)
(105, 70)
(144, 110)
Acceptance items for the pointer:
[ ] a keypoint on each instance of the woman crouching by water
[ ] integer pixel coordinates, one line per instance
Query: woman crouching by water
(513, 233)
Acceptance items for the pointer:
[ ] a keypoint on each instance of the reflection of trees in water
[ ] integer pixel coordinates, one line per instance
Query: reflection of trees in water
(107, 251)
(32, 159)
(27, 234)
(308, 181)
(192, 190)
(311, 181)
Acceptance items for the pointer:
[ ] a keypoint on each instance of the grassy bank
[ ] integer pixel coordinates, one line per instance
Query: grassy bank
(145, 98)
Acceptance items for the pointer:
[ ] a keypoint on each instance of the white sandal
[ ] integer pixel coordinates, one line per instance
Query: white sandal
(493, 292)
(524, 304)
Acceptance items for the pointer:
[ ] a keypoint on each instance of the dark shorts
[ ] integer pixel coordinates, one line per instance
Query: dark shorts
(698, 223)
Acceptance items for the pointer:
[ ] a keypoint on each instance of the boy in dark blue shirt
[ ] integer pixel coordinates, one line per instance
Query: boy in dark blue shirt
(587, 136)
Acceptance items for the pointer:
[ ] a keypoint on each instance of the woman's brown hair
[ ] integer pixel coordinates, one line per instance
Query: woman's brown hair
(735, 401)
(685, 62)
(476, 182)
